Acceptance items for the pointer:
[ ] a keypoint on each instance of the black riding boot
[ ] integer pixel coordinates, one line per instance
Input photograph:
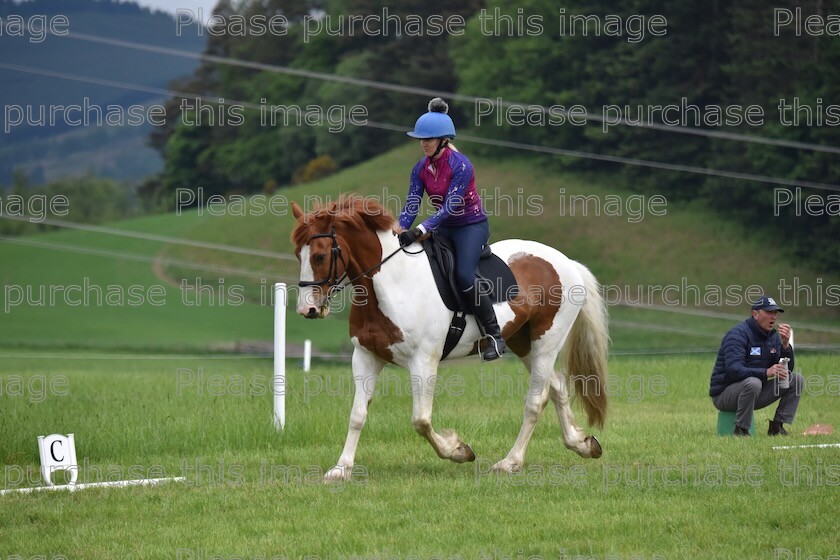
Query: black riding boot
(483, 310)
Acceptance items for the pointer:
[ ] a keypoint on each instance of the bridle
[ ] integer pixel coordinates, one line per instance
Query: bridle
(334, 282)
(332, 278)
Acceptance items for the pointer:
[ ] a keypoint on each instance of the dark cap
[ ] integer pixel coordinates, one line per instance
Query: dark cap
(767, 304)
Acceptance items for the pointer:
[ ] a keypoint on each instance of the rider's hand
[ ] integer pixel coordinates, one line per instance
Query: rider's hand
(409, 236)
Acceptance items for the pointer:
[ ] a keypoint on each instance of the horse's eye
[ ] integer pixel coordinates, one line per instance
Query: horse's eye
(319, 259)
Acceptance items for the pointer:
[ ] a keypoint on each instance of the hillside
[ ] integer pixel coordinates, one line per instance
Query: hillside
(49, 150)
(92, 291)
(686, 248)
(703, 262)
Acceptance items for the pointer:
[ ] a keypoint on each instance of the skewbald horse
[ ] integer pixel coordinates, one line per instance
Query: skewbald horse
(402, 320)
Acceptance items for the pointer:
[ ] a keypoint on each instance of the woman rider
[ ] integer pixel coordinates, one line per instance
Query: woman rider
(448, 177)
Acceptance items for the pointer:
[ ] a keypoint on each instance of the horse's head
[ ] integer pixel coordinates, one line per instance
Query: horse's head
(332, 243)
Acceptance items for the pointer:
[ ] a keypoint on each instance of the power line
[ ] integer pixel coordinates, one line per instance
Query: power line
(117, 84)
(153, 237)
(656, 164)
(685, 310)
(374, 84)
(134, 257)
(132, 357)
(662, 328)
(487, 141)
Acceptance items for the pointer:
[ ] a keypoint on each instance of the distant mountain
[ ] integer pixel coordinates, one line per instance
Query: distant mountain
(48, 148)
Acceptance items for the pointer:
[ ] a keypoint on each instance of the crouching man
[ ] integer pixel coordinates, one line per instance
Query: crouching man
(747, 374)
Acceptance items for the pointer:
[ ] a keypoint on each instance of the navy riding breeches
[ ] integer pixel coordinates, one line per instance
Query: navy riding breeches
(468, 241)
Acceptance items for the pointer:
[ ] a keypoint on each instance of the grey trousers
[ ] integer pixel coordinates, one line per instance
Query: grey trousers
(751, 394)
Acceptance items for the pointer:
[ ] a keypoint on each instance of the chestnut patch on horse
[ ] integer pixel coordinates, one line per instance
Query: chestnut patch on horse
(534, 309)
(375, 331)
(356, 221)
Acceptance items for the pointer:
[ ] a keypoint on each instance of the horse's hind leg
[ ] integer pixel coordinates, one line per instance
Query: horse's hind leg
(573, 437)
(447, 445)
(542, 368)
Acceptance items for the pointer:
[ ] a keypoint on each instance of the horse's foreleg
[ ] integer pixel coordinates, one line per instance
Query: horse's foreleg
(366, 368)
(542, 367)
(447, 445)
(573, 437)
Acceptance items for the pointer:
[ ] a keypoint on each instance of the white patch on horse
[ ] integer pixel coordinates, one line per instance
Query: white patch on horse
(306, 296)
(407, 294)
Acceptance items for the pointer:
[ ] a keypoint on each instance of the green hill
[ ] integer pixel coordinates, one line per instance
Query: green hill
(686, 253)
(50, 148)
(77, 289)
(696, 258)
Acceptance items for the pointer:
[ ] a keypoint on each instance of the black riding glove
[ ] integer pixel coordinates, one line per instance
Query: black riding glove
(409, 236)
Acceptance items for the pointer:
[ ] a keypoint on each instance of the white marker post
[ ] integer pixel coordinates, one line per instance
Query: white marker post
(279, 356)
(307, 355)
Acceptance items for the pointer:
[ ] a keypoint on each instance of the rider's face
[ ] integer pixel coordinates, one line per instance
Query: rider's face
(429, 145)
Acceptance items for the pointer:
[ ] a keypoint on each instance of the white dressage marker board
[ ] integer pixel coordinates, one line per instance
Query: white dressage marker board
(58, 453)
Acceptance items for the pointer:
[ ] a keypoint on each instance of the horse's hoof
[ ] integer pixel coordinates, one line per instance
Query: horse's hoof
(337, 474)
(595, 450)
(454, 449)
(463, 454)
(506, 466)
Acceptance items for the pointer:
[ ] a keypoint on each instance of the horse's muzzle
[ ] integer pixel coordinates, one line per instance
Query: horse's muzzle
(313, 312)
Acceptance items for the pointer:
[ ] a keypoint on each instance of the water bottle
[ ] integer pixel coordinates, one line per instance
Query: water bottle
(785, 383)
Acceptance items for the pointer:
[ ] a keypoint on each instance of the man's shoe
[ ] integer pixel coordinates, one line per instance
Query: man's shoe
(776, 428)
(742, 432)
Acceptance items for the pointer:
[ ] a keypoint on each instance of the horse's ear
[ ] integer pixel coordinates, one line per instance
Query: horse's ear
(297, 211)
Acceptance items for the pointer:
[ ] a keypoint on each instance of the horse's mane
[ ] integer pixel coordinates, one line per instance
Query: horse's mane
(350, 210)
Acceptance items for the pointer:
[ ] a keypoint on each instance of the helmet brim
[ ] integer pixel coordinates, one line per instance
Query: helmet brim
(419, 137)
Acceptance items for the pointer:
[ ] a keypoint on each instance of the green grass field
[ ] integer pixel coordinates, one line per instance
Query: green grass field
(667, 486)
(156, 382)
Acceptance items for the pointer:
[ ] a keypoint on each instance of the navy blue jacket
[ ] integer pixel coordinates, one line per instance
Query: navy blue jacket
(747, 351)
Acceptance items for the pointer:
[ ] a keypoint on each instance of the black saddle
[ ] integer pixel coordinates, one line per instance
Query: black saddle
(493, 273)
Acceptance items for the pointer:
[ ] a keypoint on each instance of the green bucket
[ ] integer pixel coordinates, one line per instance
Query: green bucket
(726, 424)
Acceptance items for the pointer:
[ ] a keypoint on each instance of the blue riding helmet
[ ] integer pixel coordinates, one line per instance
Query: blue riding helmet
(434, 124)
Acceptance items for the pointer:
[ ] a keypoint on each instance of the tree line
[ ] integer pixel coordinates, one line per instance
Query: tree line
(710, 54)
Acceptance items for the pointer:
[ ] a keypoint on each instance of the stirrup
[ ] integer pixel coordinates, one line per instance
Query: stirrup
(495, 347)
